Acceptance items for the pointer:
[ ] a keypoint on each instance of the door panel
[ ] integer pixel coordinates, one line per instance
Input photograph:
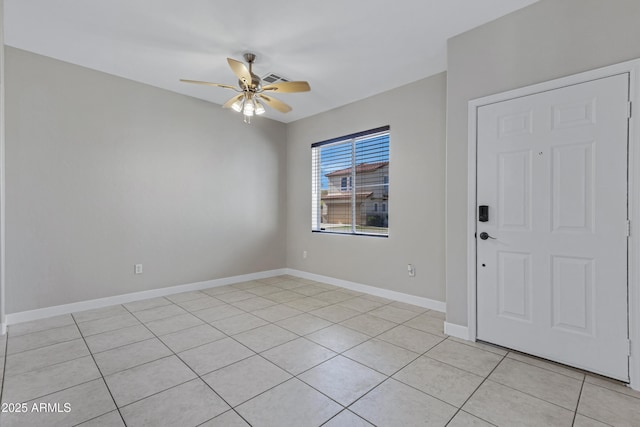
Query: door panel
(572, 285)
(514, 190)
(552, 167)
(514, 285)
(572, 181)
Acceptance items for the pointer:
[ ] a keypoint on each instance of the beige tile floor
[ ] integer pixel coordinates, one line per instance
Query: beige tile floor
(285, 351)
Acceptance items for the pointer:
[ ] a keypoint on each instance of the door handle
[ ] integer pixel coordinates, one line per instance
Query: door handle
(484, 236)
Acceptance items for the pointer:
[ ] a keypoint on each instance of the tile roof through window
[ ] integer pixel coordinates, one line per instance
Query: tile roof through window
(362, 167)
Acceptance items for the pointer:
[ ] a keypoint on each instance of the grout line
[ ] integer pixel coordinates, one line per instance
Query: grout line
(121, 346)
(545, 361)
(495, 349)
(45, 346)
(157, 392)
(95, 418)
(47, 366)
(457, 367)
(221, 414)
(101, 374)
(161, 307)
(531, 395)
(62, 389)
(614, 391)
(44, 331)
(476, 389)
(345, 410)
(65, 389)
(575, 412)
(471, 415)
(437, 334)
(597, 421)
(4, 364)
(140, 301)
(102, 312)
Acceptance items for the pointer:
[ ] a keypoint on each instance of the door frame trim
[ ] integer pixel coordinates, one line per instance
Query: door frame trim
(633, 69)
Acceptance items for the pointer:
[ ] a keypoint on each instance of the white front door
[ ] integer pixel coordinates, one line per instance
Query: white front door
(552, 276)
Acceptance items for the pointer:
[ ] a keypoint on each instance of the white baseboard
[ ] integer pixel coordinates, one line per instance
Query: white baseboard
(41, 313)
(372, 290)
(457, 331)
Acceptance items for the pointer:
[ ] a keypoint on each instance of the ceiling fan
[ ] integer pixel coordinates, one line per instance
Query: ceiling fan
(252, 92)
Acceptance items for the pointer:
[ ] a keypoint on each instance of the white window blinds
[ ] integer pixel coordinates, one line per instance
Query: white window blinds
(350, 179)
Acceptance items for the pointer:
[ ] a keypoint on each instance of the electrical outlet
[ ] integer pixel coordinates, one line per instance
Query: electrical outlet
(411, 270)
(137, 269)
(304, 254)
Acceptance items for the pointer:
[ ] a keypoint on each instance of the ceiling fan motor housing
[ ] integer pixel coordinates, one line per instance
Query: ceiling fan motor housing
(256, 83)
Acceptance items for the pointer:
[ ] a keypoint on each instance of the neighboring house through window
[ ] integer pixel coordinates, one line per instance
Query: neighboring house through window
(350, 178)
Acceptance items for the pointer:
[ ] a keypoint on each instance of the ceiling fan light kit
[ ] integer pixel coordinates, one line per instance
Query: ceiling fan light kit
(250, 101)
(248, 107)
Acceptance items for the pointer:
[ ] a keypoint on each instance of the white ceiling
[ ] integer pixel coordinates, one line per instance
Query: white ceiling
(346, 49)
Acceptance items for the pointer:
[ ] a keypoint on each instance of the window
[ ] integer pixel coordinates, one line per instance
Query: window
(343, 183)
(350, 179)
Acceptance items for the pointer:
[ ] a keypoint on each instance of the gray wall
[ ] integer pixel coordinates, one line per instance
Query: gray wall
(103, 173)
(2, 125)
(547, 40)
(416, 193)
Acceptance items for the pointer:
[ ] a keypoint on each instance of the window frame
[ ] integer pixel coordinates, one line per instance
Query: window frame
(316, 186)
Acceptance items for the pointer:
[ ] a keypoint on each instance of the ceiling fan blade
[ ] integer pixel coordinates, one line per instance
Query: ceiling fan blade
(240, 70)
(274, 103)
(231, 101)
(288, 87)
(198, 82)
